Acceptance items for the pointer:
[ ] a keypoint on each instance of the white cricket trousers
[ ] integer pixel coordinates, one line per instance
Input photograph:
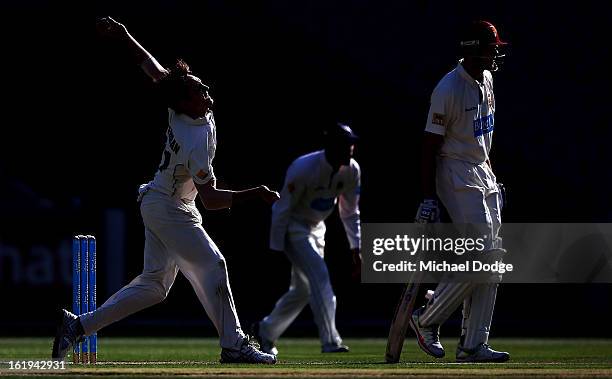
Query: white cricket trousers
(310, 284)
(470, 194)
(174, 240)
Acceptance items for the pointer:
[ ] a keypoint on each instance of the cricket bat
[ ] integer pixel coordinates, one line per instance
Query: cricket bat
(401, 321)
(403, 311)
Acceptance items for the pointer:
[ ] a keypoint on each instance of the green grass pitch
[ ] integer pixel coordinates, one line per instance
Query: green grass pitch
(161, 357)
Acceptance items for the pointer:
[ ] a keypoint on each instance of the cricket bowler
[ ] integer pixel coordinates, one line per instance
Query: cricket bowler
(174, 237)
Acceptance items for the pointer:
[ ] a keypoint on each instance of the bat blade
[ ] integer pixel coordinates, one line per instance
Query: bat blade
(401, 321)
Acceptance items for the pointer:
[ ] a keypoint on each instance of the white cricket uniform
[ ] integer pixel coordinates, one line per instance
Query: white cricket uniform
(308, 197)
(463, 111)
(174, 237)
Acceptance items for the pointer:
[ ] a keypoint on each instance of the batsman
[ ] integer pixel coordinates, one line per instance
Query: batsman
(457, 168)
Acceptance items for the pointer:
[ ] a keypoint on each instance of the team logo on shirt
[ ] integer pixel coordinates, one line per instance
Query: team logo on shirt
(438, 119)
(484, 125)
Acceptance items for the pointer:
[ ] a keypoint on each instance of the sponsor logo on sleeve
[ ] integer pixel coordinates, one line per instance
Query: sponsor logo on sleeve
(438, 119)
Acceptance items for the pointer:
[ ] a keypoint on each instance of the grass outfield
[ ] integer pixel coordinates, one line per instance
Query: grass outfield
(140, 357)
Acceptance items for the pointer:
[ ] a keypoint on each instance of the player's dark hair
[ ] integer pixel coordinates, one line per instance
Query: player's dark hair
(173, 86)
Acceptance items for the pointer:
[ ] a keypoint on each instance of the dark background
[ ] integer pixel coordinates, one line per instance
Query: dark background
(82, 127)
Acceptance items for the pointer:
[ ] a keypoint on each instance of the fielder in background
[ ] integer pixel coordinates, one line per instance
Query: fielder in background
(457, 167)
(174, 237)
(313, 184)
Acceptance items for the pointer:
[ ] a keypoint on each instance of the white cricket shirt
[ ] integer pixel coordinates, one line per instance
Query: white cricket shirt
(188, 155)
(462, 110)
(309, 195)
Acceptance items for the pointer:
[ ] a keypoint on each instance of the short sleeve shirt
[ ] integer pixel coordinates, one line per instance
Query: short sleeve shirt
(187, 157)
(462, 110)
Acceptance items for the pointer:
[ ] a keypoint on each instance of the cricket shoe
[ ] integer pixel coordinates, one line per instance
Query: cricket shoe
(334, 348)
(428, 337)
(265, 344)
(69, 333)
(248, 353)
(481, 354)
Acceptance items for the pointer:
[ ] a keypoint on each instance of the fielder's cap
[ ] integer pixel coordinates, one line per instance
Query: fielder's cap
(479, 34)
(340, 132)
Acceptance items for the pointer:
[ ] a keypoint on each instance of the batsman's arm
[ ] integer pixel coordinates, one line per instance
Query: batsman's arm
(431, 145)
(439, 117)
(109, 27)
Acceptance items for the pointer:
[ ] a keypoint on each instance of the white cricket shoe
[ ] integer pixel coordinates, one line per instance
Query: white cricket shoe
(248, 353)
(482, 353)
(69, 332)
(427, 337)
(334, 348)
(265, 345)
